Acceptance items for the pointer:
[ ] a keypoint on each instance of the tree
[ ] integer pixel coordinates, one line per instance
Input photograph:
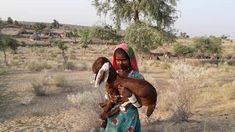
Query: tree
(160, 12)
(55, 24)
(208, 45)
(61, 45)
(183, 50)
(16, 22)
(184, 35)
(86, 36)
(38, 27)
(7, 43)
(73, 34)
(104, 33)
(1, 24)
(143, 37)
(9, 20)
(224, 37)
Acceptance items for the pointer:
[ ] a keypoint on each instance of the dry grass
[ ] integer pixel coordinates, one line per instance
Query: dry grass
(214, 94)
(186, 80)
(5, 96)
(87, 103)
(38, 66)
(3, 71)
(43, 84)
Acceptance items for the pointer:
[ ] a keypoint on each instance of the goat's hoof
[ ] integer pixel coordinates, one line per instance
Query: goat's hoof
(103, 124)
(103, 116)
(101, 105)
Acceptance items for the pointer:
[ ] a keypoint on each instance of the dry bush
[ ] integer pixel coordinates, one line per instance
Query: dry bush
(39, 88)
(70, 65)
(47, 83)
(38, 66)
(82, 66)
(63, 83)
(5, 96)
(164, 65)
(42, 84)
(186, 79)
(3, 71)
(156, 64)
(26, 100)
(87, 103)
(72, 56)
(228, 91)
(194, 62)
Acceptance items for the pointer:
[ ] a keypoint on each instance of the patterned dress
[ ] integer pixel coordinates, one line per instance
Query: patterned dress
(125, 121)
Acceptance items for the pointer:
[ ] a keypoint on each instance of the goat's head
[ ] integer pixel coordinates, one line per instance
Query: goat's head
(101, 68)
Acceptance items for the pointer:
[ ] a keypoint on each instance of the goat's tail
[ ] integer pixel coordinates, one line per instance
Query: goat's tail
(150, 109)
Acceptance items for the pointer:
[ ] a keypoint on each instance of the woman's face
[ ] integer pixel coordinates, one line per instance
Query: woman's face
(122, 62)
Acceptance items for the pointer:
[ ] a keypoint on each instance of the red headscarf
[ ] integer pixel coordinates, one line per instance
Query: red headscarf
(130, 54)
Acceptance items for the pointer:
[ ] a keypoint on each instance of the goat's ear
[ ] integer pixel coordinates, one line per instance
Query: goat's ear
(102, 76)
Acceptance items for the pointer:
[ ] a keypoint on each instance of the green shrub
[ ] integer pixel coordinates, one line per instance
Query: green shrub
(183, 50)
(143, 37)
(208, 45)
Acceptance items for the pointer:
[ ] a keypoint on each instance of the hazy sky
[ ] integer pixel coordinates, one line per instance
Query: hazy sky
(196, 17)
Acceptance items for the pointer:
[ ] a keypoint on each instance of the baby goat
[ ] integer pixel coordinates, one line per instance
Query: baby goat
(146, 94)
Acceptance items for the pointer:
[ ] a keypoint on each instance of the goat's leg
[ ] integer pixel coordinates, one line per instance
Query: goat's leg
(103, 123)
(106, 109)
(102, 105)
(113, 112)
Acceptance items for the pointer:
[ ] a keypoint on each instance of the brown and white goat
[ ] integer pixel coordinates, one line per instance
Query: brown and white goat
(145, 93)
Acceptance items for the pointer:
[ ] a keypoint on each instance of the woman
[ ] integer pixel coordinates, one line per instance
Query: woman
(124, 62)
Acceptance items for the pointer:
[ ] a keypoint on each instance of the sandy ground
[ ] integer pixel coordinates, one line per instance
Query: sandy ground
(54, 112)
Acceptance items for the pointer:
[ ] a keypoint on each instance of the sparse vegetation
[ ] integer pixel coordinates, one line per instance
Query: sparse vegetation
(39, 88)
(55, 24)
(38, 27)
(62, 46)
(9, 20)
(37, 66)
(88, 107)
(5, 96)
(3, 71)
(7, 42)
(86, 36)
(184, 94)
(187, 80)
